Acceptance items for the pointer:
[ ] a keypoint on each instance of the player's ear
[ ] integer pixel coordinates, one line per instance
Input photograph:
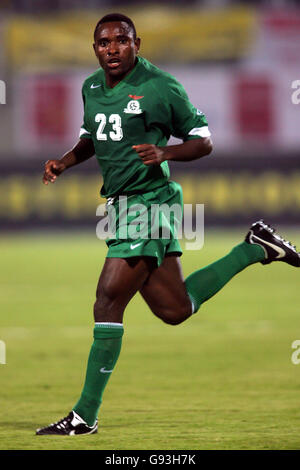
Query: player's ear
(137, 43)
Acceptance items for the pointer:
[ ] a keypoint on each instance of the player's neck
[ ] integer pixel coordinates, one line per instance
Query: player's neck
(112, 81)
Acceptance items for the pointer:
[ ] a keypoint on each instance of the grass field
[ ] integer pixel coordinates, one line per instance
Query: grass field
(222, 380)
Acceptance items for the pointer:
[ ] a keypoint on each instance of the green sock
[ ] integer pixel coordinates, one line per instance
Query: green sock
(103, 356)
(203, 284)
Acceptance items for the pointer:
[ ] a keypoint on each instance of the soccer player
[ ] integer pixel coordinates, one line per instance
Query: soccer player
(131, 108)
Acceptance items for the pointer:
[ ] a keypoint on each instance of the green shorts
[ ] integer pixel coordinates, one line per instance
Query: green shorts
(146, 224)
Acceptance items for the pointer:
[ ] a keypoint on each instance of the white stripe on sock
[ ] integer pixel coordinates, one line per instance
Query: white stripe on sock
(108, 323)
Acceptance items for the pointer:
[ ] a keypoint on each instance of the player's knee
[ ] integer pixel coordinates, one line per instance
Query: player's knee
(174, 320)
(99, 310)
(108, 303)
(102, 304)
(175, 316)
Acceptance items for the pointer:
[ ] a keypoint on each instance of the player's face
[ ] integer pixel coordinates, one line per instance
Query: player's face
(116, 49)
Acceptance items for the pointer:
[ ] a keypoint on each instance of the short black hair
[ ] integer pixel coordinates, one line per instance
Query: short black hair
(116, 17)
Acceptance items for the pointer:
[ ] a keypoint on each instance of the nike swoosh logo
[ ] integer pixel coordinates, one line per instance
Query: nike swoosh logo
(280, 251)
(95, 86)
(104, 371)
(132, 247)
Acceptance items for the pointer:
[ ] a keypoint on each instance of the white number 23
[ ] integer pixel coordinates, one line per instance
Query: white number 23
(115, 120)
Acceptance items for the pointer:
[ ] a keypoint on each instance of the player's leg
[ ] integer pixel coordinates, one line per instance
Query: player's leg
(167, 293)
(261, 245)
(120, 279)
(174, 299)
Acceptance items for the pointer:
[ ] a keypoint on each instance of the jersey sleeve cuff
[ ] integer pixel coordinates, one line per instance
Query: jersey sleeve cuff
(199, 132)
(83, 134)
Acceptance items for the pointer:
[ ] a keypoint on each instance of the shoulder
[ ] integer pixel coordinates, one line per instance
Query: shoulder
(93, 80)
(160, 79)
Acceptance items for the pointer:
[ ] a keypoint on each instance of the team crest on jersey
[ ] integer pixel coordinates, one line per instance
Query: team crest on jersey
(133, 107)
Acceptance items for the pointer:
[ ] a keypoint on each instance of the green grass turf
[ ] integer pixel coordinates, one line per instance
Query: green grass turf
(222, 380)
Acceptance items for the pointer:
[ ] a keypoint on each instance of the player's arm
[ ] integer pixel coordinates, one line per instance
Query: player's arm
(185, 152)
(183, 121)
(83, 150)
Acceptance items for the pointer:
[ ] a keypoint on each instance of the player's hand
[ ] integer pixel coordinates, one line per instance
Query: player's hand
(53, 168)
(150, 153)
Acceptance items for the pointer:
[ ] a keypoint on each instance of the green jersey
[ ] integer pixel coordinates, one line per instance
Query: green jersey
(146, 107)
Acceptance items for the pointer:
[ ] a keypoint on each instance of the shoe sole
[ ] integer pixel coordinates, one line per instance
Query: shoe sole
(72, 433)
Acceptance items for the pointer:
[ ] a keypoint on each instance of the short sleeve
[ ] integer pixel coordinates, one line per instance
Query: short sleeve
(188, 122)
(84, 132)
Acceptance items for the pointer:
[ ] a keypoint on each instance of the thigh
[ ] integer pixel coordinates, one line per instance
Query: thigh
(119, 280)
(165, 292)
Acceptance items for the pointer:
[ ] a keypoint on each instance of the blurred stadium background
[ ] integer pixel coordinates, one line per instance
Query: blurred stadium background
(237, 61)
